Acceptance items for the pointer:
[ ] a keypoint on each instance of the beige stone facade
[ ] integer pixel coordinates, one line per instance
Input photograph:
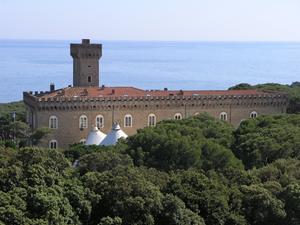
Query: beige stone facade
(71, 112)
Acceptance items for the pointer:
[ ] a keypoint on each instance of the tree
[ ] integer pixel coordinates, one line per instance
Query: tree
(206, 197)
(261, 207)
(217, 157)
(174, 212)
(241, 86)
(111, 221)
(291, 197)
(166, 147)
(103, 161)
(261, 141)
(191, 142)
(123, 193)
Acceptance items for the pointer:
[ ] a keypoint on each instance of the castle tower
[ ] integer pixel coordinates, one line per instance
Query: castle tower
(86, 63)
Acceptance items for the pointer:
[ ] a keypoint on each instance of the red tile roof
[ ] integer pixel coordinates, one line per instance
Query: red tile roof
(135, 92)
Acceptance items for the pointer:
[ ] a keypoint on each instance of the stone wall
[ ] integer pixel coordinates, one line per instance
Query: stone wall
(68, 111)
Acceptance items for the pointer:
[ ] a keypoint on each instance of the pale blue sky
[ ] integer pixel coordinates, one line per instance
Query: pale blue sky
(203, 20)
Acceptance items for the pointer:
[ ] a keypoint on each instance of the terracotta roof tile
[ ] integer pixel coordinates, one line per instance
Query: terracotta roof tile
(135, 92)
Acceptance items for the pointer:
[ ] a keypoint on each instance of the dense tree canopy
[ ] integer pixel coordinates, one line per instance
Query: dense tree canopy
(201, 142)
(267, 138)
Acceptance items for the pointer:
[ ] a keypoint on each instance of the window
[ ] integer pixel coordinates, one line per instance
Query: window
(178, 116)
(151, 120)
(196, 114)
(99, 121)
(82, 141)
(53, 144)
(89, 79)
(223, 116)
(128, 120)
(83, 122)
(53, 122)
(253, 115)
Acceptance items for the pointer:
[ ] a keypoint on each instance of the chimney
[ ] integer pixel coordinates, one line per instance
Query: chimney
(165, 89)
(113, 91)
(52, 87)
(85, 41)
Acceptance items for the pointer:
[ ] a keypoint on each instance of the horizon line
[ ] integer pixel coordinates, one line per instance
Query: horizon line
(151, 40)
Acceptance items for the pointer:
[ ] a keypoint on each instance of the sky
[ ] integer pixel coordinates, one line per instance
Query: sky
(164, 20)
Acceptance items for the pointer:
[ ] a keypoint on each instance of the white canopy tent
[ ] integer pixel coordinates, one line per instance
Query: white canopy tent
(114, 135)
(95, 137)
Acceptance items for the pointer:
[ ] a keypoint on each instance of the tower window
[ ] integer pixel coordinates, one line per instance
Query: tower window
(89, 79)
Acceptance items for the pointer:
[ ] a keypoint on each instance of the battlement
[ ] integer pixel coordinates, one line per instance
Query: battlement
(86, 102)
(86, 50)
(86, 63)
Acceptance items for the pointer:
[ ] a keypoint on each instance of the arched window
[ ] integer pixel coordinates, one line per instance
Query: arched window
(83, 122)
(223, 116)
(53, 144)
(151, 120)
(82, 141)
(253, 115)
(177, 116)
(53, 122)
(196, 114)
(99, 121)
(128, 120)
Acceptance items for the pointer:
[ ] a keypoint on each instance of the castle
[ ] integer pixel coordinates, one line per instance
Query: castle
(72, 112)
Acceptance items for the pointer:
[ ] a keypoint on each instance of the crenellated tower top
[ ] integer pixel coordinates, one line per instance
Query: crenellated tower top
(86, 63)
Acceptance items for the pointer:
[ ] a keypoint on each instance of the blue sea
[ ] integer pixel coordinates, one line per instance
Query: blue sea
(31, 65)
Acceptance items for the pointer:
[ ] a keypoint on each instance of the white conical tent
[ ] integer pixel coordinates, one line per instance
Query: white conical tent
(95, 137)
(114, 135)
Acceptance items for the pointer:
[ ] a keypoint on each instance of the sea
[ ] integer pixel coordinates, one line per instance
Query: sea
(31, 65)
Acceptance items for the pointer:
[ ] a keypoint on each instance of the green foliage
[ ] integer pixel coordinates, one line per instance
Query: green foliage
(200, 142)
(103, 161)
(9, 108)
(261, 207)
(291, 196)
(110, 221)
(268, 138)
(175, 212)
(179, 172)
(202, 195)
(38, 134)
(166, 147)
(14, 132)
(124, 193)
(241, 86)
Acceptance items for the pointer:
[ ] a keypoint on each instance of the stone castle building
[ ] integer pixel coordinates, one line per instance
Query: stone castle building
(72, 112)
